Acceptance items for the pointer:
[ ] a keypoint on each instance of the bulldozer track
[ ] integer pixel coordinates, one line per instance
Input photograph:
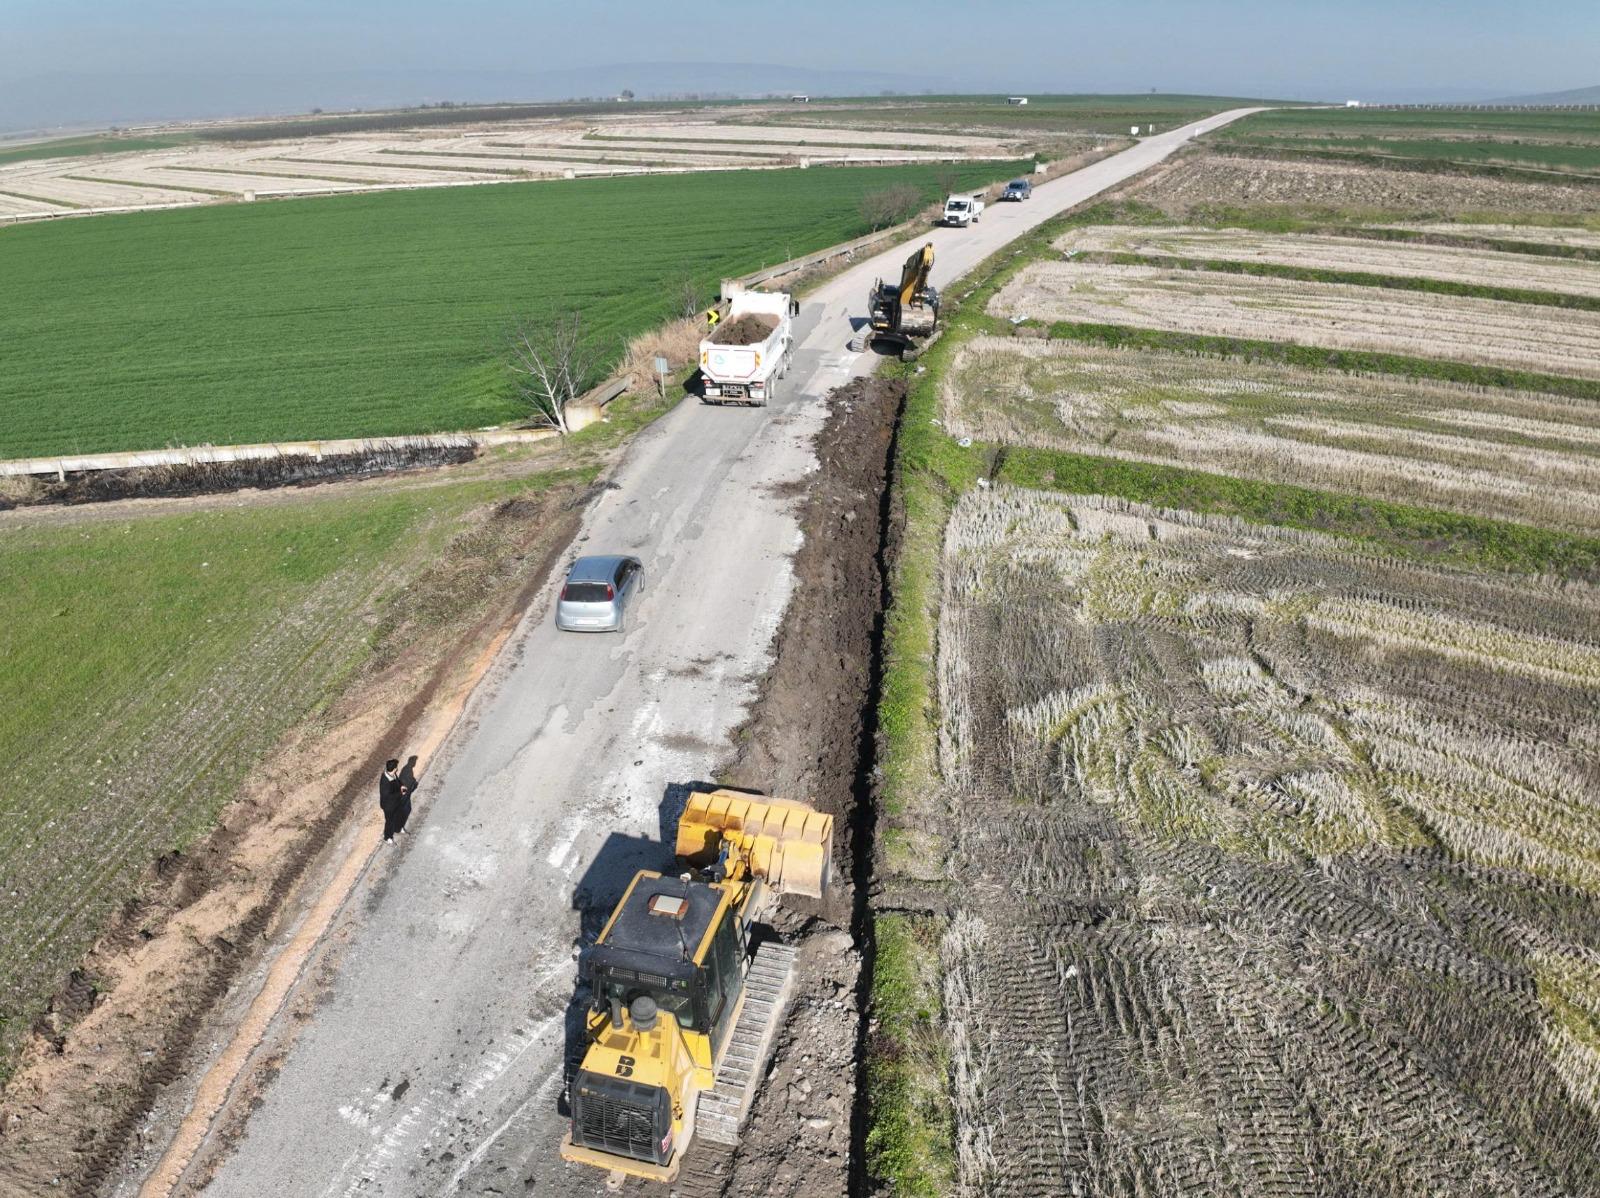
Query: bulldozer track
(767, 985)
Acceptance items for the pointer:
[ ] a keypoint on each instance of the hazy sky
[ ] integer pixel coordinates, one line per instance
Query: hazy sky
(1290, 48)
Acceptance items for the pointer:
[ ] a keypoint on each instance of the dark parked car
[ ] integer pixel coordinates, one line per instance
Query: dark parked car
(1017, 189)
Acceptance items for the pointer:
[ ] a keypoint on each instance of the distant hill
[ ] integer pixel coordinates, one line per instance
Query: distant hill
(76, 100)
(1578, 95)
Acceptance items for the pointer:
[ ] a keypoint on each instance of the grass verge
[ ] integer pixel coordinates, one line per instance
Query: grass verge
(910, 1133)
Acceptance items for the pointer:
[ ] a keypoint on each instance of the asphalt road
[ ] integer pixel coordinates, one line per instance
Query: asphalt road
(435, 1063)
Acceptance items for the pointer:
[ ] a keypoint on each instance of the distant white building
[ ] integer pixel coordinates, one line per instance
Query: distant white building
(800, 98)
(1019, 101)
(1352, 103)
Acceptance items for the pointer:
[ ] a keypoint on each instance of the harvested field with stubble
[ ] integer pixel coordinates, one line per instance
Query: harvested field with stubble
(1484, 332)
(1507, 455)
(1455, 264)
(1275, 863)
(1201, 182)
(1578, 237)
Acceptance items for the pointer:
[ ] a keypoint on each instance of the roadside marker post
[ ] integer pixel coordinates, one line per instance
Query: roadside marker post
(661, 377)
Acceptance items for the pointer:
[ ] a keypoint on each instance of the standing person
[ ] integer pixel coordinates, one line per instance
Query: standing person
(408, 787)
(391, 798)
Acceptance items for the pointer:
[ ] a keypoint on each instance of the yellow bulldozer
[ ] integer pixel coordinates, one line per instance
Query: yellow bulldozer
(902, 313)
(683, 1015)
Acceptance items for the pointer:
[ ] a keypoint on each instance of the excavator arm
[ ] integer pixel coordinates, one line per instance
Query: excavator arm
(914, 278)
(911, 310)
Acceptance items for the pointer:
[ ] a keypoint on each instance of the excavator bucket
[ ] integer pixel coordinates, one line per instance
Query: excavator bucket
(789, 844)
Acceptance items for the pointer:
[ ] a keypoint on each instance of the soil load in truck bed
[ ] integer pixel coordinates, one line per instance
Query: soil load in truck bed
(750, 329)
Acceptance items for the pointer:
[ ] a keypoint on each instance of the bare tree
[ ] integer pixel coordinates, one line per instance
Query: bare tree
(687, 297)
(890, 205)
(552, 362)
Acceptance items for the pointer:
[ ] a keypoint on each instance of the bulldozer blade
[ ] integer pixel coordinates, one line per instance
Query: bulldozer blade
(788, 844)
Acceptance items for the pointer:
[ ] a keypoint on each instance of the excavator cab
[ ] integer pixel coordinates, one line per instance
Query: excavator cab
(681, 1011)
(901, 313)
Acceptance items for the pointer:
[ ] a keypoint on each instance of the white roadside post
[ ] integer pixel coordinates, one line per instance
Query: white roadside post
(661, 376)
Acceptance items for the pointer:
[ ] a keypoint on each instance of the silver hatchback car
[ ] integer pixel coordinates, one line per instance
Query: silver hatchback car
(597, 593)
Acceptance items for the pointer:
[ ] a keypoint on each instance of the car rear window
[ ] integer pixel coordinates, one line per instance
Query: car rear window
(586, 592)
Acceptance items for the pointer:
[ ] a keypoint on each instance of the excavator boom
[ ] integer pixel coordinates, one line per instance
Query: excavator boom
(914, 277)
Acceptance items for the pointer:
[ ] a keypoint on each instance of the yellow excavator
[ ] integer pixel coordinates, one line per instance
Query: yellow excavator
(902, 313)
(683, 1015)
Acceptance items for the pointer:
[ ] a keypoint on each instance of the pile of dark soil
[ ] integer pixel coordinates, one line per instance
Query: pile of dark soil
(810, 736)
(750, 329)
(207, 478)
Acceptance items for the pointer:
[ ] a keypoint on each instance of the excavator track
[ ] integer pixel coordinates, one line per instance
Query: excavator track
(768, 984)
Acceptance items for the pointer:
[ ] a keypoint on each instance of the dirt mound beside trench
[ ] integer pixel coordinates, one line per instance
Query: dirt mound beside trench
(810, 737)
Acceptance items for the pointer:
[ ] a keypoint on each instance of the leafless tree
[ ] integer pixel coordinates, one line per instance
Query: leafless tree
(553, 363)
(688, 298)
(890, 205)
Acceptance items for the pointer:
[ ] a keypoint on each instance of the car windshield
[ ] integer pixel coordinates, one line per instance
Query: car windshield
(958, 205)
(586, 592)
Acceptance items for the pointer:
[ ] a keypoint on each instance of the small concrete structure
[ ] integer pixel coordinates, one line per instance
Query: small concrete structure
(1017, 101)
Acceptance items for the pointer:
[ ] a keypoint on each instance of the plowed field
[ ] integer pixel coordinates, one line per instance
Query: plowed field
(1359, 254)
(1334, 315)
(1278, 863)
(1509, 455)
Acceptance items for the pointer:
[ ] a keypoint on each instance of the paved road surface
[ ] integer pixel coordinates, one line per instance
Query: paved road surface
(435, 1064)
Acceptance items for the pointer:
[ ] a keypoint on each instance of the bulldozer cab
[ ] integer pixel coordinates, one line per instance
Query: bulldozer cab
(680, 944)
(666, 975)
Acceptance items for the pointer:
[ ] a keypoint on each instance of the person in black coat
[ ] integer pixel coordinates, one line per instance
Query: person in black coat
(408, 788)
(392, 799)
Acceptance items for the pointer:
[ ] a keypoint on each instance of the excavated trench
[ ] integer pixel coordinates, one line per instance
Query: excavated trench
(812, 735)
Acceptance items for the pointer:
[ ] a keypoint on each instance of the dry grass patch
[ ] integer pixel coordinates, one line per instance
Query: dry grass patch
(1584, 236)
(1319, 252)
(1332, 315)
(1506, 455)
(1277, 861)
(678, 341)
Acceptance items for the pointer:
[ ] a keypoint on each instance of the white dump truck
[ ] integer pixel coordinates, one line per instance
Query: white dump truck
(962, 210)
(748, 350)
